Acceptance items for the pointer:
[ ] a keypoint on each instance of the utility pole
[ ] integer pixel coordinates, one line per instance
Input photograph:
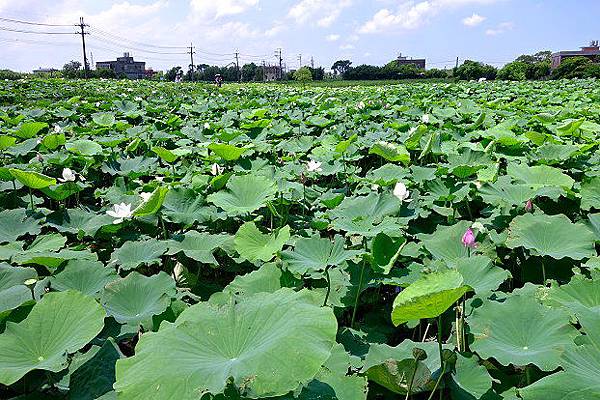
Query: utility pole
(237, 66)
(456, 62)
(312, 62)
(191, 53)
(279, 55)
(82, 26)
(300, 59)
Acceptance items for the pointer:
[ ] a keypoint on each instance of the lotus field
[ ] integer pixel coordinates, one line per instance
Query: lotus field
(415, 241)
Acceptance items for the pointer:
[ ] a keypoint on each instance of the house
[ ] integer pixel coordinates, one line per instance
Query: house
(592, 51)
(419, 62)
(125, 66)
(271, 72)
(43, 71)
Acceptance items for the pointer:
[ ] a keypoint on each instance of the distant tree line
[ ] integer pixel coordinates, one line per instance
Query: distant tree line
(526, 67)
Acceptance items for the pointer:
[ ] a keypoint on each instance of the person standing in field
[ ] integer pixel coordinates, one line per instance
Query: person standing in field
(218, 80)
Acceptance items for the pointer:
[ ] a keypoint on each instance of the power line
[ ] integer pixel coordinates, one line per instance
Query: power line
(18, 21)
(126, 46)
(121, 39)
(3, 28)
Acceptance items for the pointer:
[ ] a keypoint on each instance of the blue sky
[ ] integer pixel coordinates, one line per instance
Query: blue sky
(373, 32)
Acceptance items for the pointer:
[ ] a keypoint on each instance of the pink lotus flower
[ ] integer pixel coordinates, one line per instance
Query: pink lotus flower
(468, 239)
(529, 206)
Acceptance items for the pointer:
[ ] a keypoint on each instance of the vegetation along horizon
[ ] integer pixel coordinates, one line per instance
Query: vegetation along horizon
(427, 240)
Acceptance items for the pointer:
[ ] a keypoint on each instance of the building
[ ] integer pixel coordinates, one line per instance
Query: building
(125, 66)
(592, 51)
(271, 72)
(419, 62)
(43, 71)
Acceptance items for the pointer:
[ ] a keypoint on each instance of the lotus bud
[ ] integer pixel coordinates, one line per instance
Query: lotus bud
(529, 206)
(468, 239)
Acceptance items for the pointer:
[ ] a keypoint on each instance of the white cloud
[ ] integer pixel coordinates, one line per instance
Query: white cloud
(500, 29)
(347, 46)
(412, 14)
(216, 9)
(325, 12)
(332, 38)
(473, 20)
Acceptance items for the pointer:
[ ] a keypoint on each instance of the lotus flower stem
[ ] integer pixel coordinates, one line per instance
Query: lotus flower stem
(31, 200)
(543, 272)
(328, 286)
(412, 379)
(360, 281)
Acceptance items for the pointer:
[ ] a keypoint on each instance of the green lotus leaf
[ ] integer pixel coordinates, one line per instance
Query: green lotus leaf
(429, 297)
(253, 245)
(227, 152)
(385, 251)
(595, 225)
(32, 179)
(104, 119)
(135, 253)
(95, 376)
(13, 291)
(445, 243)
(88, 277)
(504, 192)
(590, 194)
(84, 147)
(580, 292)
(134, 299)
(199, 246)
(314, 254)
(62, 191)
(333, 381)
(6, 141)
(52, 259)
(186, 207)
(267, 344)
(28, 130)
(393, 367)
(480, 274)
(76, 221)
(470, 380)
(244, 194)
(266, 279)
(540, 176)
(53, 141)
(16, 223)
(391, 152)
(153, 204)
(552, 236)
(580, 378)
(45, 338)
(165, 154)
(521, 331)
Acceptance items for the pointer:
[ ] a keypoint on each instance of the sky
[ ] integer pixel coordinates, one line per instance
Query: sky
(365, 32)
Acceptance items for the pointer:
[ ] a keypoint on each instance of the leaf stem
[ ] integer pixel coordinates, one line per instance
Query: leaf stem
(362, 271)
(328, 286)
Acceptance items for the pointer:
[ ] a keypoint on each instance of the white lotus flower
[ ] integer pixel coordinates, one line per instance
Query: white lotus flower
(145, 196)
(206, 125)
(482, 79)
(478, 184)
(401, 192)
(138, 99)
(160, 178)
(313, 166)
(425, 118)
(120, 212)
(360, 105)
(68, 175)
(216, 169)
(57, 129)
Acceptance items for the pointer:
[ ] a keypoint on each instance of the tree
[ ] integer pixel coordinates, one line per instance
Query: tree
(540, 56)
(592, 71)
(303, 75)
(471, 70)
(172, 73)
(436, 73)
(514, 71)
(70, 69)
(573, 67)
(249, 72)
(317, 73)
(340, 67)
